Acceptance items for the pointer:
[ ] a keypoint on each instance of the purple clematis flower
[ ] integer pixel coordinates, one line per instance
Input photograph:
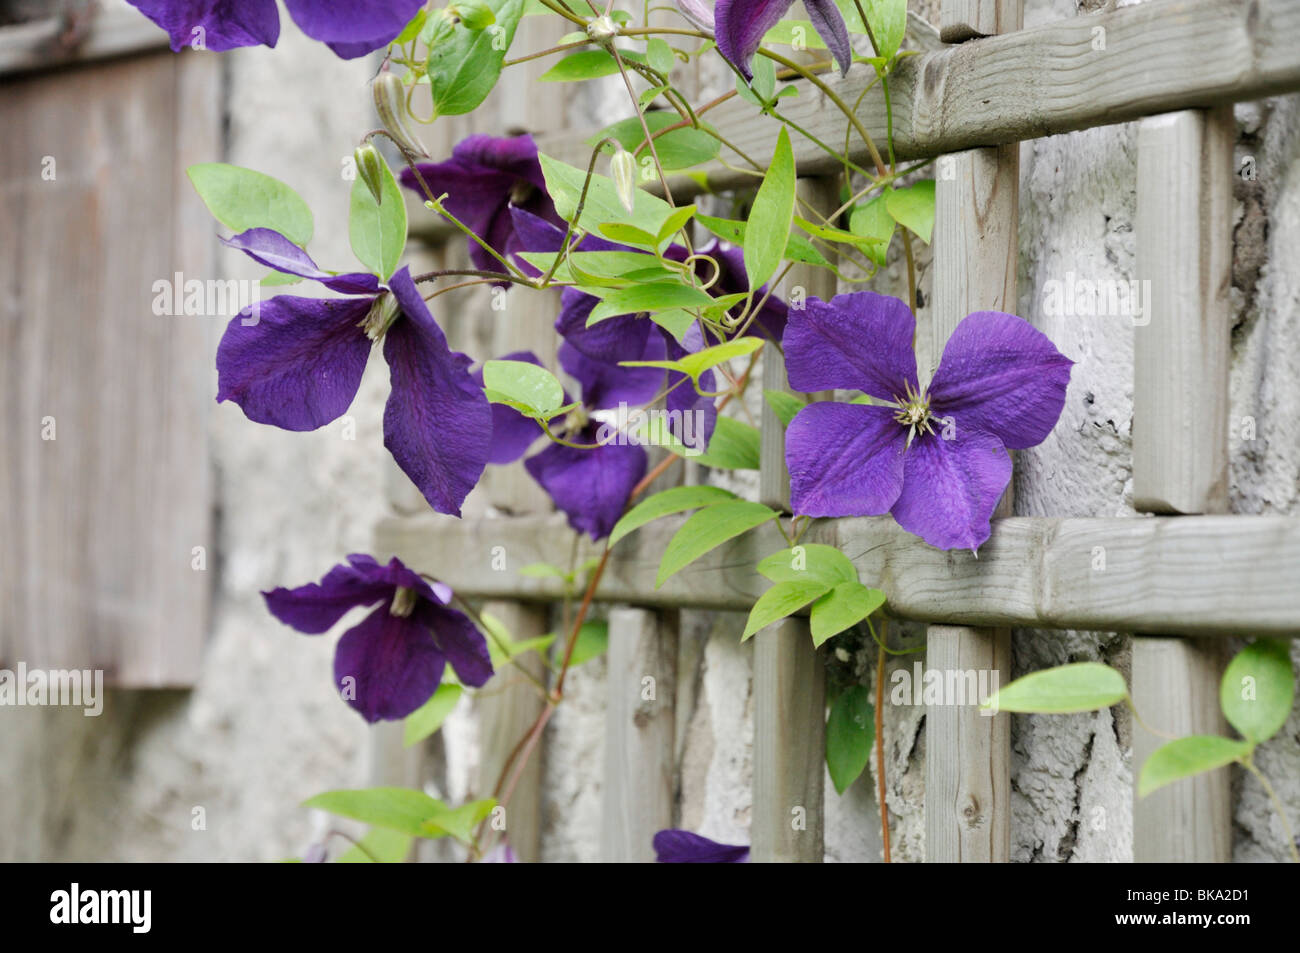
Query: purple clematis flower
(591, 485)
(683, 847)
(741, 24)
(299, 363)
(350, 30)
(392, 661)
(937, 458)
(513, 434)
(484, 179)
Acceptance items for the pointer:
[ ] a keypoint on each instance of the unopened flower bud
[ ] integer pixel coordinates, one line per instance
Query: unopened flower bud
(602, 30)
(622, 169)
(390, 104)
(370, 166)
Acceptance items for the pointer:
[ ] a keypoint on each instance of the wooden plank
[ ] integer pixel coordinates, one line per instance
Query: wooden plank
(976, 248)
(95, 34)
(789, 674)
(1180, 358)
(1180, 446)
(506, 710)
(1191, 575)
(962, 20)
(1095, 70)
(1176, 690)
(107, 558)
(637, 796)
(967, 755)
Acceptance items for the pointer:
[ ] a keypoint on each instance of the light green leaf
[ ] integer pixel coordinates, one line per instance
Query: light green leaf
(733, 446)
(845, 605)
(522, 385)
(888, 19)
(241, 199)
(593, 640)
(378, 230)
(659, 55)
(1187, 757)
(541, 571)
(656, 296)
(1258, 688)
(1083, 686)
(678, 499)
(464, 64)
(398, 809)
(850, 732)
(679, 149)
(588, 64)
(797, 248)
(784, 404)
(429, 717)
(809, 561)
(780, 601)
(770, 217)
(502, 646)
(381, 844)
(693, 365)
(872, 222)
(913, 208)
(564, 185)
(459, 822)
(676, 222)
(709, 529)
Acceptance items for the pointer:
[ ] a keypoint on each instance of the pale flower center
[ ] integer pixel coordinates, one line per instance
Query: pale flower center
(403, 602)
(913, 412)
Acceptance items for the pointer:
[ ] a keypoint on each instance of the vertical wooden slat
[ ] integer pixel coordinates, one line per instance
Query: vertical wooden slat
(637, 798)
(962, 20)
(968, 754)
(1180, 446)
(507, 708)
(789, 678)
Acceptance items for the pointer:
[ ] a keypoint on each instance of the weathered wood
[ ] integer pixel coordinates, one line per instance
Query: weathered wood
(96, 34)
(1180, 447)
(977, 219)
(789, 675)
(1071, 74)
(1180, 358)
(1191, 575)
(506, 709)
(105, 495)
(637, 797)
(789, 746)
(967, 753)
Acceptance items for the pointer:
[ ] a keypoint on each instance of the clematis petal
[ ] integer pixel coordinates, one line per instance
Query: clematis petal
(268, 247)
(951, 487)
(770, 320)
(512, 433)
(315, 607)
(692, 415)
(684, 847)
(591, 487)
(437, 422)
(395, 573)
(1002, 375)
(355, 28)
(459, 640)
(829, 24)
(859, 341)
(844, 459)
(739, 27)
(605, 385)
(298, 364)
(387, 666)
(214, 25)
(611, 340)
(697, 12)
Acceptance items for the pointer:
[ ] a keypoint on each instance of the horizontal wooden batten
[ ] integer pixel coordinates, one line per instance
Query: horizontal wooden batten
(1192, 575)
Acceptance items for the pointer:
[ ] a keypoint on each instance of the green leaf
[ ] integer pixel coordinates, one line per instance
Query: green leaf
(1083, 686)
(784, 404)
(693, 365)
(680, 149)
(676, 222)
(587, 64)
(398, 809)
(564, 185)
(659, 55)
(888, 19)
(850, 732)
(542, 570)
(1258, 688)
(241, 199)
(913, 208)
(845, 605)
(709, 529)
(1187, 757)
(464, 64)
(872, 221)
(797, 248)
(678, 499)
(733, 446)
(656, 296)
(780, 601)
(593, 640)
(524, 386)
(502, 646)
(459, 822)
(771, 214)
(829, 233)
(817, 561)
(412, 29)
(381, 844)
(429, 717)
(378, 230)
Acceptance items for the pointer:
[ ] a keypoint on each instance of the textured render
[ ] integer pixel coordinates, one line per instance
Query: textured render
(263, 730)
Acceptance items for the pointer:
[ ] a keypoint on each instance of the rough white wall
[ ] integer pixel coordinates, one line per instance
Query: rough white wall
(263, 730)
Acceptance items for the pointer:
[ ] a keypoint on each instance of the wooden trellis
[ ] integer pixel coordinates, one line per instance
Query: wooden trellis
(1178, 579)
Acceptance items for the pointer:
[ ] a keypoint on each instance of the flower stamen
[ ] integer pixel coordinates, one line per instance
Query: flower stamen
(914, 412)
(403, 602)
